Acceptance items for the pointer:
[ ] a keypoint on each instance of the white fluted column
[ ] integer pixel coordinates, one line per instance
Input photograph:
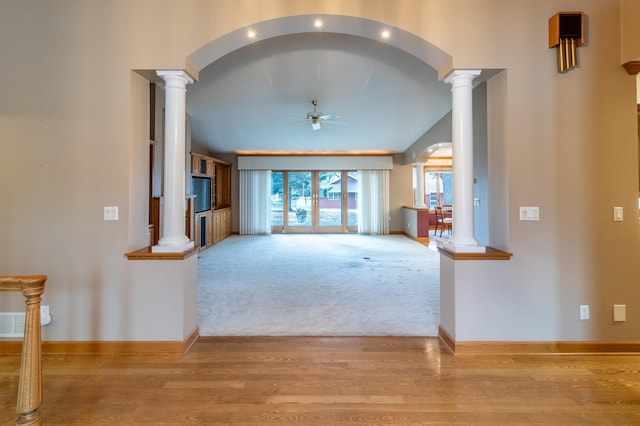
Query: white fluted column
(174, 239)
(419, 186)
(462, 239)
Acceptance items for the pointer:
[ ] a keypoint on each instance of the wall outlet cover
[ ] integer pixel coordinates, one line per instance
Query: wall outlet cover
(619, 313)
(584, 312)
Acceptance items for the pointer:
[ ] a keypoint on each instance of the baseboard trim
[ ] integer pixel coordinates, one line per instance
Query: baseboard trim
(191, 339)
(107, 347)
(536, 348)
(446, 341)
(421, 240)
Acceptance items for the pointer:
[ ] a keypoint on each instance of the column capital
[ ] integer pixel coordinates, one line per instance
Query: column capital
(171, 74)
(457, 75)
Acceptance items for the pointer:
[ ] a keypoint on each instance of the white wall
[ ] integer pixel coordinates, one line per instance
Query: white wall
(409, 223)
(400, 193)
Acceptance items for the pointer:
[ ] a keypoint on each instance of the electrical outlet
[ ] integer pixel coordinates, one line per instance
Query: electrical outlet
(584, 312)
(45, 315)
(619, 313)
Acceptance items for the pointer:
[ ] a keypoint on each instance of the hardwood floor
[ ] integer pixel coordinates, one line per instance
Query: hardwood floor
(330, 381)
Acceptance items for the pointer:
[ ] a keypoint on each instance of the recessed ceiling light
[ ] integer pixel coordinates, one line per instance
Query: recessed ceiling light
(386, 34)
(317, 23)
(251, 34)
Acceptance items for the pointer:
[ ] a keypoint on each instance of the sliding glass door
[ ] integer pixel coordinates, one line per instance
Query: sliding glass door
(300, 196)
(314, 201)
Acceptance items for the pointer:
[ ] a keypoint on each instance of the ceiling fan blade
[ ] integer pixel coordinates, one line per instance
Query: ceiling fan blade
(336, 122)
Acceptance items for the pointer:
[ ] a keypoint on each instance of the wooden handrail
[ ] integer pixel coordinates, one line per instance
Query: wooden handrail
(30, 384)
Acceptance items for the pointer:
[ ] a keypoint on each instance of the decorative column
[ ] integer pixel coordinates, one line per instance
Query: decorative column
(174, 239)
(420, 186)
(462, 239)
(30, 382)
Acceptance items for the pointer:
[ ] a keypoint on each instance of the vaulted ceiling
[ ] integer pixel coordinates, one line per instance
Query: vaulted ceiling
(255, 99)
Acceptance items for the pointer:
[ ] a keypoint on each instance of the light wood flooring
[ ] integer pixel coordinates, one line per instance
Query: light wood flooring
(331, 381)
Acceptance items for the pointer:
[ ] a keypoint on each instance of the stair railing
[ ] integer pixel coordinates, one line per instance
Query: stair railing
(30, 382)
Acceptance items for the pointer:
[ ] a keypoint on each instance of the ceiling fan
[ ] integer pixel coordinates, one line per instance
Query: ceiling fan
(316, 117)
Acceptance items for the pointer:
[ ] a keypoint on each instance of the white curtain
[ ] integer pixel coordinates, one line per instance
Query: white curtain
(255, 202)
(373, 202)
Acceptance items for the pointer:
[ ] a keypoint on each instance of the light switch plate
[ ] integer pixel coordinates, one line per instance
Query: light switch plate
(529, 213)
(618, 214)
(111, 213)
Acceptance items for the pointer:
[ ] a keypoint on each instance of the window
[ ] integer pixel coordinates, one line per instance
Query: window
(438, 187)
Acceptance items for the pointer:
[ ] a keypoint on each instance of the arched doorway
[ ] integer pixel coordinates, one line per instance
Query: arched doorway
(364, 32)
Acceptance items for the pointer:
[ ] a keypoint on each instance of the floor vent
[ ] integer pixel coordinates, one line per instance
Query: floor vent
(12, 324)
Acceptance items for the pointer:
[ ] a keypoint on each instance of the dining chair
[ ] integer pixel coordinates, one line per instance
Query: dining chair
(442, 221)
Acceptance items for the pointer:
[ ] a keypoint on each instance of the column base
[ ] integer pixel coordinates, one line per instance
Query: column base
(463, 248)
(173, 248)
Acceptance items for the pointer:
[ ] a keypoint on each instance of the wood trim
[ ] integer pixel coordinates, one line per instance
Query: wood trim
(446, 341)
(438, 168)
(314, 153)
(30, 379)
(491, 254)
(554, 28)
(27, 284)
(534, 348)
(191, 339)
(10, 347)
(155, 204)
(14, 347)
(145, 253)
(632, 67)
(421, 240)
(152, 112)
(545, 348)
(218, 161)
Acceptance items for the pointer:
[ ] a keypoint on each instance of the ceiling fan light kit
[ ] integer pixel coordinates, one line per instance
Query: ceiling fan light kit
(316, 117)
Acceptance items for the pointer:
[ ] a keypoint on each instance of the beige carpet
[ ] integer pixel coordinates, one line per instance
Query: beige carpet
(319, 285)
